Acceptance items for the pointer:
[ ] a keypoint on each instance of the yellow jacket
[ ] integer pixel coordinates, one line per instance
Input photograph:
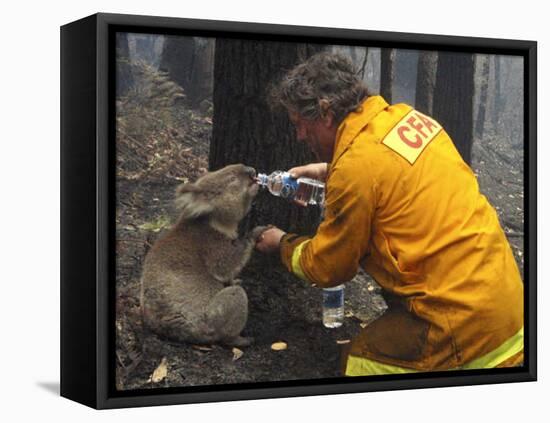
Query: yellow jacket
(401, 203)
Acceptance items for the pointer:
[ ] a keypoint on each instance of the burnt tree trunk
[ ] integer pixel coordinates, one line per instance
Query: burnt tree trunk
(405, 69)
(177, 59)
(202, 73)
(246, 131)
(498, 99)
(483, 89)
(363, 68)
(454, 99)
(425, 81)
(353, 54)
(189, 62)
(387, 59)
(124, 80)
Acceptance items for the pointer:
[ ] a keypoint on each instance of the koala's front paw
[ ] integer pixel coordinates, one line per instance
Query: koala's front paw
(257, 231)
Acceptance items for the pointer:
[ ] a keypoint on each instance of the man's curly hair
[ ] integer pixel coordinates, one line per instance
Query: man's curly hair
(325, 76)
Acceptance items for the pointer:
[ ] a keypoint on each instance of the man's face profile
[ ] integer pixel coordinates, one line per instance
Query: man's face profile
(319, 134)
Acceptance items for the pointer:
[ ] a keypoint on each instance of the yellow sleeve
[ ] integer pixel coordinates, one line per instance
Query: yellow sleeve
(332, 256)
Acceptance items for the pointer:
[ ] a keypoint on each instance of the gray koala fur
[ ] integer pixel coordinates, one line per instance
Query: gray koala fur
(189, 290)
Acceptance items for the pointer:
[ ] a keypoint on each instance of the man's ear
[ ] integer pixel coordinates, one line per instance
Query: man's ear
(191, 201)
(327, 115)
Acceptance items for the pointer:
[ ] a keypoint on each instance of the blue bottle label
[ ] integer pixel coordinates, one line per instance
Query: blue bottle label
(289, 188)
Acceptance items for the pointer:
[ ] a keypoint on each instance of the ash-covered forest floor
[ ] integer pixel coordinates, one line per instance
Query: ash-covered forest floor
(151, 163)
(498, 165)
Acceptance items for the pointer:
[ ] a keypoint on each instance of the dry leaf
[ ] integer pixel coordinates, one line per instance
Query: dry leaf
(349, 313)
(160, 372)
(237, 353)
(279, 346)
(363, 325)
(202, 348)
(343, 341)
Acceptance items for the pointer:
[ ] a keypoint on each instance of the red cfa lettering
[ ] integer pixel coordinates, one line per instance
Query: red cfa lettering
(411, 135)
(427, 122)
(401, 132)
(418, 126)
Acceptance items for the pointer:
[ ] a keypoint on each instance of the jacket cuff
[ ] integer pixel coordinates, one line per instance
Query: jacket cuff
(286, 248)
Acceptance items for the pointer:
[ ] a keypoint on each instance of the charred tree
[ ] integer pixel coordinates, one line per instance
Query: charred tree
(202, 76)
(498, 100)
(353, 54)
(405, 69)
(124, 80)
(177, 59)
(454, 99)
(483, 61)
(363, 67)
(425, 81)
(246, 131)
(387, 73)
(189, 62)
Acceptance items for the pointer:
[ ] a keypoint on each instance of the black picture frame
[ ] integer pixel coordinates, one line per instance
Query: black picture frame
(87, 209)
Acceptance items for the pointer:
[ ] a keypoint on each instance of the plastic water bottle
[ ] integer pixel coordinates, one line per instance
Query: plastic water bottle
(333, 306)
(304, 190)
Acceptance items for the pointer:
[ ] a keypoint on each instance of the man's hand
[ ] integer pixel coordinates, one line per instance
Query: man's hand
(269, 240)
(313, 170)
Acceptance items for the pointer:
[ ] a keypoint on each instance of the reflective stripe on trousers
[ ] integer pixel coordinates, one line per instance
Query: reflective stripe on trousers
(360, 366)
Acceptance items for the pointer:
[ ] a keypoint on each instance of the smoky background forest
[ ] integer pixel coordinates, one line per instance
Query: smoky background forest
(185, 105)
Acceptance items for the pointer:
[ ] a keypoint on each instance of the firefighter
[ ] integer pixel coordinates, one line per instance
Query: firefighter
(402, 204)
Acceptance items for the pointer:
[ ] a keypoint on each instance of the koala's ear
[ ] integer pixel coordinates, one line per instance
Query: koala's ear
(191, 202)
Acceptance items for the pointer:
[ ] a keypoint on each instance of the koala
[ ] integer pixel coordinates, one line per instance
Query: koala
(189, 290)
